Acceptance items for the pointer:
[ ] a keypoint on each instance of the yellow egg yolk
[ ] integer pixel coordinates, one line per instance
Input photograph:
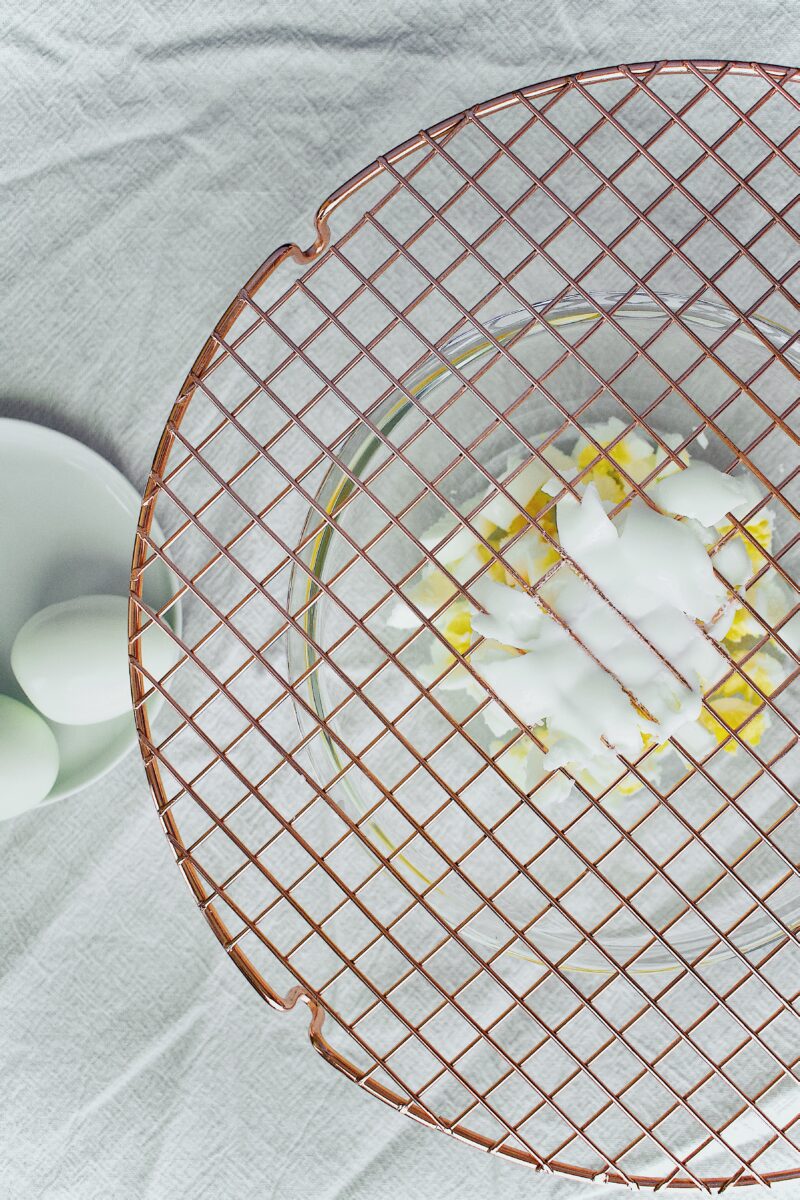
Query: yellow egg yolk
(603, 475)
(456, 626)
(735, 703)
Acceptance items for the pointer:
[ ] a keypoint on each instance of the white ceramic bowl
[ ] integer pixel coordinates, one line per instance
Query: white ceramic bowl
(67, 529)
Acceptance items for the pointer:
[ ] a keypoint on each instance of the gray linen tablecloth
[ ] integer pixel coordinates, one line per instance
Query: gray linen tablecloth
(152, 154)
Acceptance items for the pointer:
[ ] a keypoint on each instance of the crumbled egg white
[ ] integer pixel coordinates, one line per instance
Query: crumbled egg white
(569, 665)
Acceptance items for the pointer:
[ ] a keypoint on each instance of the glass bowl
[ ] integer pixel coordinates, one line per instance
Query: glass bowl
(677, 872)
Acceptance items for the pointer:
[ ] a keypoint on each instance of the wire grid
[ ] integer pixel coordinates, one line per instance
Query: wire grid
(352, 840)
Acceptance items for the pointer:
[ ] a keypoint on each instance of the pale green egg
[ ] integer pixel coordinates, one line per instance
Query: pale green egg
(28, 758)
(71, 659)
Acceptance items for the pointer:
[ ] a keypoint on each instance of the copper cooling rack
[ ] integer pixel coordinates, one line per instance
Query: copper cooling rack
(603, 984)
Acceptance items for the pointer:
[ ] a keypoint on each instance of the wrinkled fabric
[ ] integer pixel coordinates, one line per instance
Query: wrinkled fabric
(151, 156)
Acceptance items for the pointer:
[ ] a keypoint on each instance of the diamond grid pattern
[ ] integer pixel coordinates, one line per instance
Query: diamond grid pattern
(588, 984)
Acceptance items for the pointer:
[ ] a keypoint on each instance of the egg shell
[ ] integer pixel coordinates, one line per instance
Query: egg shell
(71, 659)
(28, 758)
(733, 563)
(703, 492)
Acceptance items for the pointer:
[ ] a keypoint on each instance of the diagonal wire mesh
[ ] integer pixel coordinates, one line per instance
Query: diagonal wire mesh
(601, 979)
